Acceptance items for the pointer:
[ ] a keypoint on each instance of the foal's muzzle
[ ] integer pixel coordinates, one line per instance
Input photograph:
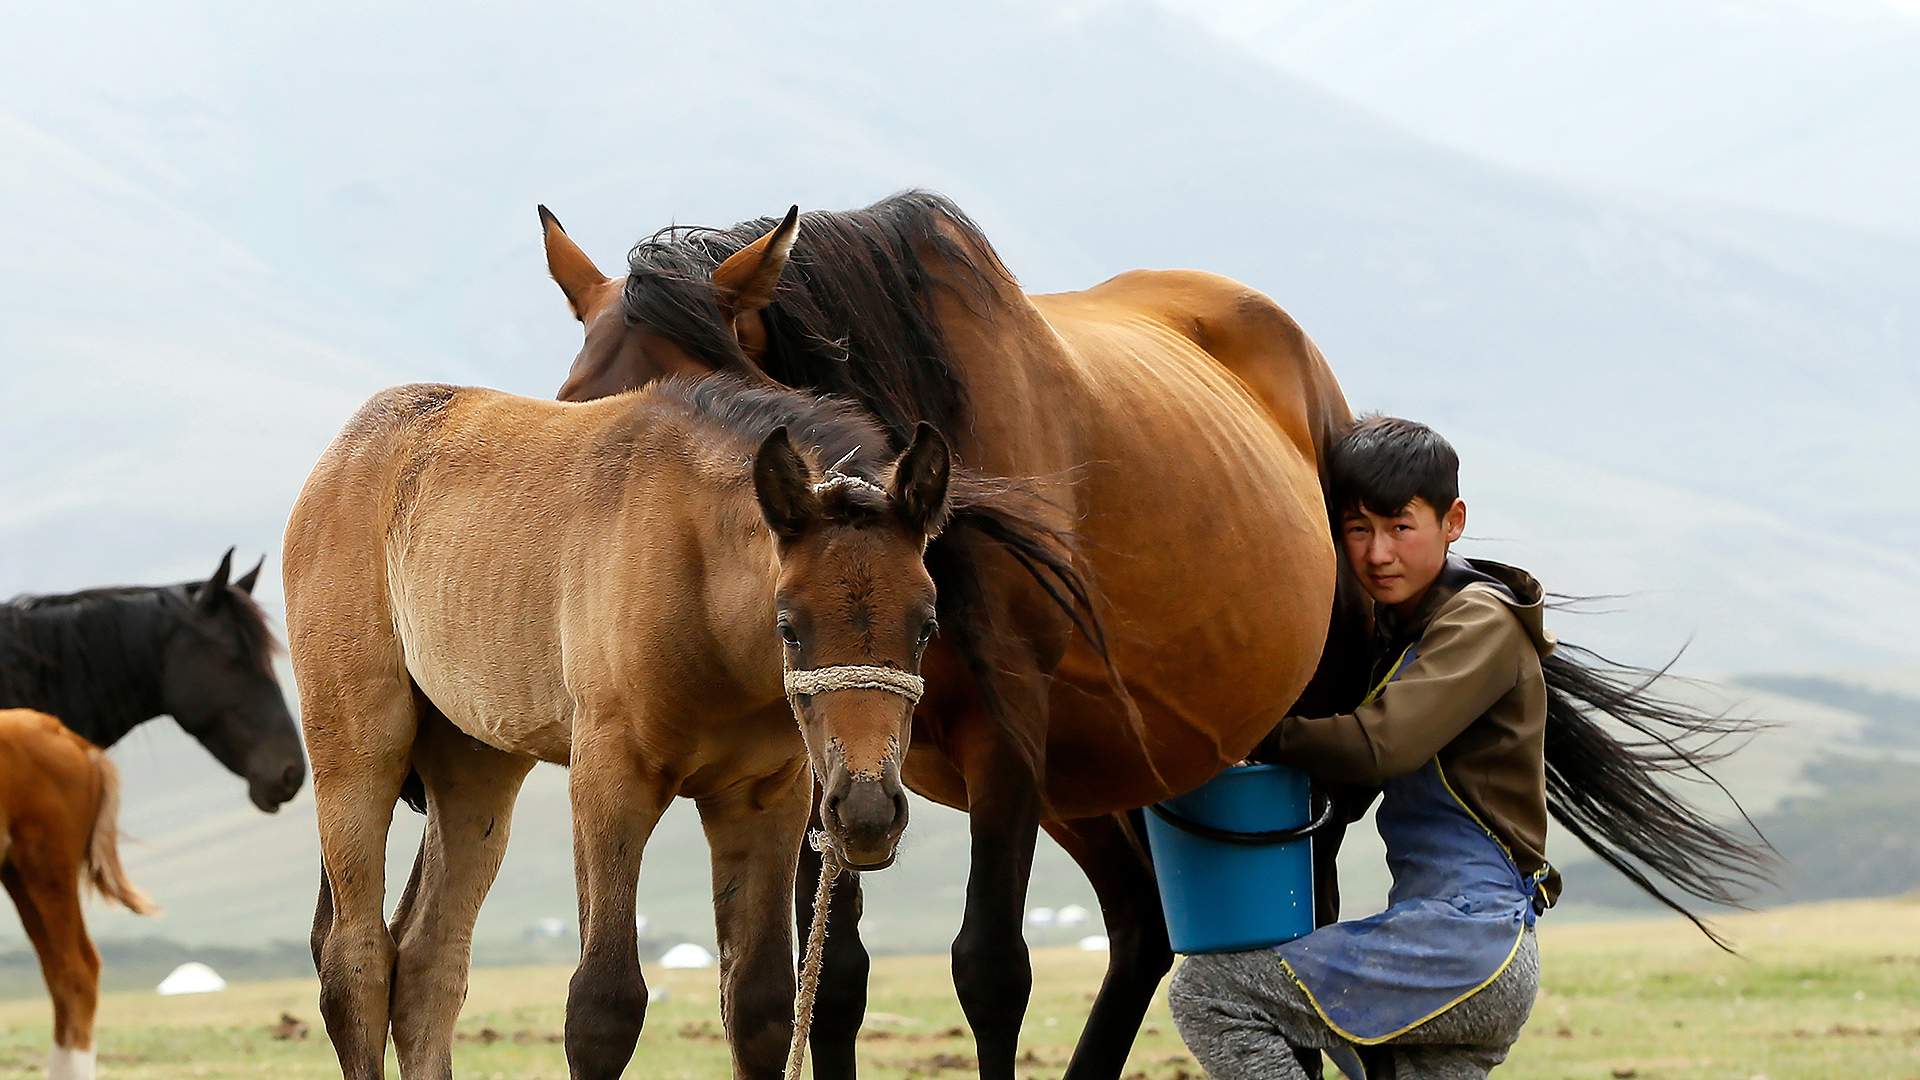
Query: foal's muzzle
(864, 810)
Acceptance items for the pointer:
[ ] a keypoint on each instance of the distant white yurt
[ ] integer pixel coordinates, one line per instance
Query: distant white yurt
(1094, 943)
(191, 978)
(686, 955)
(1071, 915)
(1040, 916)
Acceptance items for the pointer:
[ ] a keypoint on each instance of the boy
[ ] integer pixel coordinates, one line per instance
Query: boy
(1453, 733)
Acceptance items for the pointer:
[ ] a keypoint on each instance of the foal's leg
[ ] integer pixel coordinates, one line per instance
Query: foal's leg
(471, 789)
(840, 1005)
(359, 743)
(754, 829)
(47, 892)
(617, 800)
(1112, 853)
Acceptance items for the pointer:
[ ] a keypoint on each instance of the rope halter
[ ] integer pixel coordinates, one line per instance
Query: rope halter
(826, 680)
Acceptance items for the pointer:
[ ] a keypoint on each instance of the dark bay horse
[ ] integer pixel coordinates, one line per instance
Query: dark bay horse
(1183, 418)
(1180, 419)
(59, 811)
(107, 660)
(476, 582)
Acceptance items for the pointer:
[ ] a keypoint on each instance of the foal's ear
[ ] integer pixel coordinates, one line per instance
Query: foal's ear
(214, 589)
(246, 581)
(571, 269)
(784, 482)
(919, 487)
(747, 279)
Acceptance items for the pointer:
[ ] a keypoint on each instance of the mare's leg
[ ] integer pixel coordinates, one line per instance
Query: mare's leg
(46, 890)
(618, 797)
(1112, 852)
(991, 968)
(471, 788)
(358, 737)
(840, 1005)
(753, 830)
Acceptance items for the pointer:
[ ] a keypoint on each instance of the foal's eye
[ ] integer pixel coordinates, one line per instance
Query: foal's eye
(789, 635)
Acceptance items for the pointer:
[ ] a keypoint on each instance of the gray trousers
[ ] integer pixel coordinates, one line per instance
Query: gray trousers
(1239, 1011)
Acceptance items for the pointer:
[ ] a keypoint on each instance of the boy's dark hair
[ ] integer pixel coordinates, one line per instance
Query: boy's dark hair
(1384, 463)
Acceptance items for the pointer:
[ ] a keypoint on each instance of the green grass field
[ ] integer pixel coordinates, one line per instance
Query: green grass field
(1830, 990)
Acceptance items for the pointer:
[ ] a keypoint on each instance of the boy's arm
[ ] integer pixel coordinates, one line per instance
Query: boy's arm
(1469, 658)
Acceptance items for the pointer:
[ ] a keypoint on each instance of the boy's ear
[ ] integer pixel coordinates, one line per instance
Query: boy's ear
(1455, 520)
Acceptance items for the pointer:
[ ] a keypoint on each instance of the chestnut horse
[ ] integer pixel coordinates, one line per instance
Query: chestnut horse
(1180, 418)
(476, 582)
(59, 804)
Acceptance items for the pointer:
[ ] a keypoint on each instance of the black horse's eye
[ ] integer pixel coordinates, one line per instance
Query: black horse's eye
(789, 635)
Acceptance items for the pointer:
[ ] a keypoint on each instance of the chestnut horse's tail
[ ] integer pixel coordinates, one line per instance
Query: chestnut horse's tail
(1610, 785)
(102, 864)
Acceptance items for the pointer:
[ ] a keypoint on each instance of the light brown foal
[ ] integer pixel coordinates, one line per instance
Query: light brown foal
(476, 582)
(59, 806)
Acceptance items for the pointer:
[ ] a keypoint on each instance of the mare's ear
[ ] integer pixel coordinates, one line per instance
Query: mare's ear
(571, 269)
(784, 483)
(746, 280)
(919, 487)
(247, 580)
(214, 589)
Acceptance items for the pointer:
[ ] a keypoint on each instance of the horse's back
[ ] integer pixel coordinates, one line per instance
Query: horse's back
(1199, 411)
(1244, 331)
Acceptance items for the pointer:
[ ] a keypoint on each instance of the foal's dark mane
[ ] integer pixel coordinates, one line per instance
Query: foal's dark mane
(841, 433)
(92, 658)
(853, 316)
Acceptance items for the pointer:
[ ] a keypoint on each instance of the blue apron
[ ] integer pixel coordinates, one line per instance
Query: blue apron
(1456, 915)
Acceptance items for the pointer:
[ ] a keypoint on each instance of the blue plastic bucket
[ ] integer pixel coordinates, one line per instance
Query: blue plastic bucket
(1234, 861)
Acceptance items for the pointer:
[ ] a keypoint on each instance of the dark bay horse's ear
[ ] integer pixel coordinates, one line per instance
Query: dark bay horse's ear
(571, 269)
(919, 487)
(214, 589)
(746, 280)
(247, 580)
(784, 483)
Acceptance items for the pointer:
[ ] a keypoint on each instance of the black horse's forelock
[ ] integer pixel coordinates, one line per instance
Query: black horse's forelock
(96, 652)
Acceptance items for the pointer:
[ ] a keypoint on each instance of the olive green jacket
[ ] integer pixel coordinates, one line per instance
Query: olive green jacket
(1473, 696)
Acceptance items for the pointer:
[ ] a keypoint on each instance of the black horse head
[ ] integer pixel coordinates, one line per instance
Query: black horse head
(106, 660)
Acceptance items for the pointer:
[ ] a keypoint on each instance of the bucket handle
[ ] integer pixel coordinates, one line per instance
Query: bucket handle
(1321, 820)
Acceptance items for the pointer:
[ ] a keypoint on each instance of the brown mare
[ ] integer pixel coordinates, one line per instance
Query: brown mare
(1181, 419)
(476, 582)
(59, 807)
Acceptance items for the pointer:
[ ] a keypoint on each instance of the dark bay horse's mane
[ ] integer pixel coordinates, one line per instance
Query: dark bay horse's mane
(853, 316)
(86, 656)
(853, 313)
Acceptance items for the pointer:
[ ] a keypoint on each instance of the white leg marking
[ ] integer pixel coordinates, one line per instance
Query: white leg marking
(65, 1064)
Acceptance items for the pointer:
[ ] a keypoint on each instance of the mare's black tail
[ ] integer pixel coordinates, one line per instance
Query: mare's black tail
(1610, 790)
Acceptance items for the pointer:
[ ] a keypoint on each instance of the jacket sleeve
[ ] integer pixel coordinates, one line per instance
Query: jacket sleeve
(1469, 658)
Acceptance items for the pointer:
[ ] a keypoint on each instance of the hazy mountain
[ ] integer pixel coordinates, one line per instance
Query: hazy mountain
(1786, 105)
(232, 224)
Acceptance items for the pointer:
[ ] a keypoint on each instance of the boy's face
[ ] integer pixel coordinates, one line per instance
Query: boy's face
(1396, 557)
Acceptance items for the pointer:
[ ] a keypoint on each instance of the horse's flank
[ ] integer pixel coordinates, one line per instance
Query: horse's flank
(547, 531)
(59, 800)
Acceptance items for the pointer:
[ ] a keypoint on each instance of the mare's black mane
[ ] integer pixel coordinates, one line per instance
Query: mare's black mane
(853, 316)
